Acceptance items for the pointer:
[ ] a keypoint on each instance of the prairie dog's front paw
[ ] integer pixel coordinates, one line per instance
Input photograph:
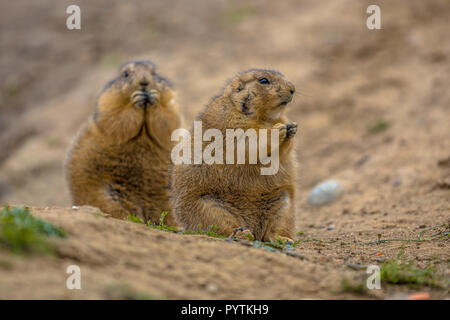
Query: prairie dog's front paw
(286, 130)
(153, 96)
(291, 129)
(282, 129)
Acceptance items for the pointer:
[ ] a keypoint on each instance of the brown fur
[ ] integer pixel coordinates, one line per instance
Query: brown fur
(237, 195)
(120, 160)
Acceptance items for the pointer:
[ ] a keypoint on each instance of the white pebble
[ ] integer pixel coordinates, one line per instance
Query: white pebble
(325, 192)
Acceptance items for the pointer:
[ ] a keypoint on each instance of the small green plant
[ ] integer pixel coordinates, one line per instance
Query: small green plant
(296, 243)
(379, 126)
(250, 237)
(163, 217)
(211, 231)
(277, 244)
(398, 271)
(281, 243)
(133, 218)
(193, 232)
(353, 287)
(300, 235)
(21, 232)
(161, 225)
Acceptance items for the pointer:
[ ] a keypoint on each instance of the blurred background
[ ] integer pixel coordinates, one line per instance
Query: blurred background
(372, 105)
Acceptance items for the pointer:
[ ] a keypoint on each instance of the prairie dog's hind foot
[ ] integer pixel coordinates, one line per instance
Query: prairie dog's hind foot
(242, 234)
(286, 240)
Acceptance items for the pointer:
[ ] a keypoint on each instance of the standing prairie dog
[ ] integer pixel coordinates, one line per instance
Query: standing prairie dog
(120, 160)
(234, 196)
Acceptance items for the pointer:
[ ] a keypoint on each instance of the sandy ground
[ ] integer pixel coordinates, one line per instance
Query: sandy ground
(348, 79)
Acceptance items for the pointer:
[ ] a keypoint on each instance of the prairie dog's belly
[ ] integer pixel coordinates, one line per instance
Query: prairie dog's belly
(134, 168)
(250, 203)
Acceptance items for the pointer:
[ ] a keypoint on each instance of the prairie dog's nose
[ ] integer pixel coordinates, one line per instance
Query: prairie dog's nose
(291, 88)
(143, 82)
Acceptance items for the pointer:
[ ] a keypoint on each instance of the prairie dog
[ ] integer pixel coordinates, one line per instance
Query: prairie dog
(234, 196)
(120, 160)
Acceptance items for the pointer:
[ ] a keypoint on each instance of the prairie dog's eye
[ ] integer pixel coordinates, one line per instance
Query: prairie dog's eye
(263, 81)
(125, 74)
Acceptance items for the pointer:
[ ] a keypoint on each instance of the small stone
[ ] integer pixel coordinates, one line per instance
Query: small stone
(75, 207)
(325, 192)
(212, 287)
(330, 227)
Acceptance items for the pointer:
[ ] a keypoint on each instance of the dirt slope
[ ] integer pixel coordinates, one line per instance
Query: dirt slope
(118, 257)
(126, 260)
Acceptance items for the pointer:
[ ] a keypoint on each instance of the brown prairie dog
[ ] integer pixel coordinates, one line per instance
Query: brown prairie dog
(234, 196)
(120, 160)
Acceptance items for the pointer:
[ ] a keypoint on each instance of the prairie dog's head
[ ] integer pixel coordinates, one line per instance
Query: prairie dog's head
(138, 85)
(259, 93)
(129, 100)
